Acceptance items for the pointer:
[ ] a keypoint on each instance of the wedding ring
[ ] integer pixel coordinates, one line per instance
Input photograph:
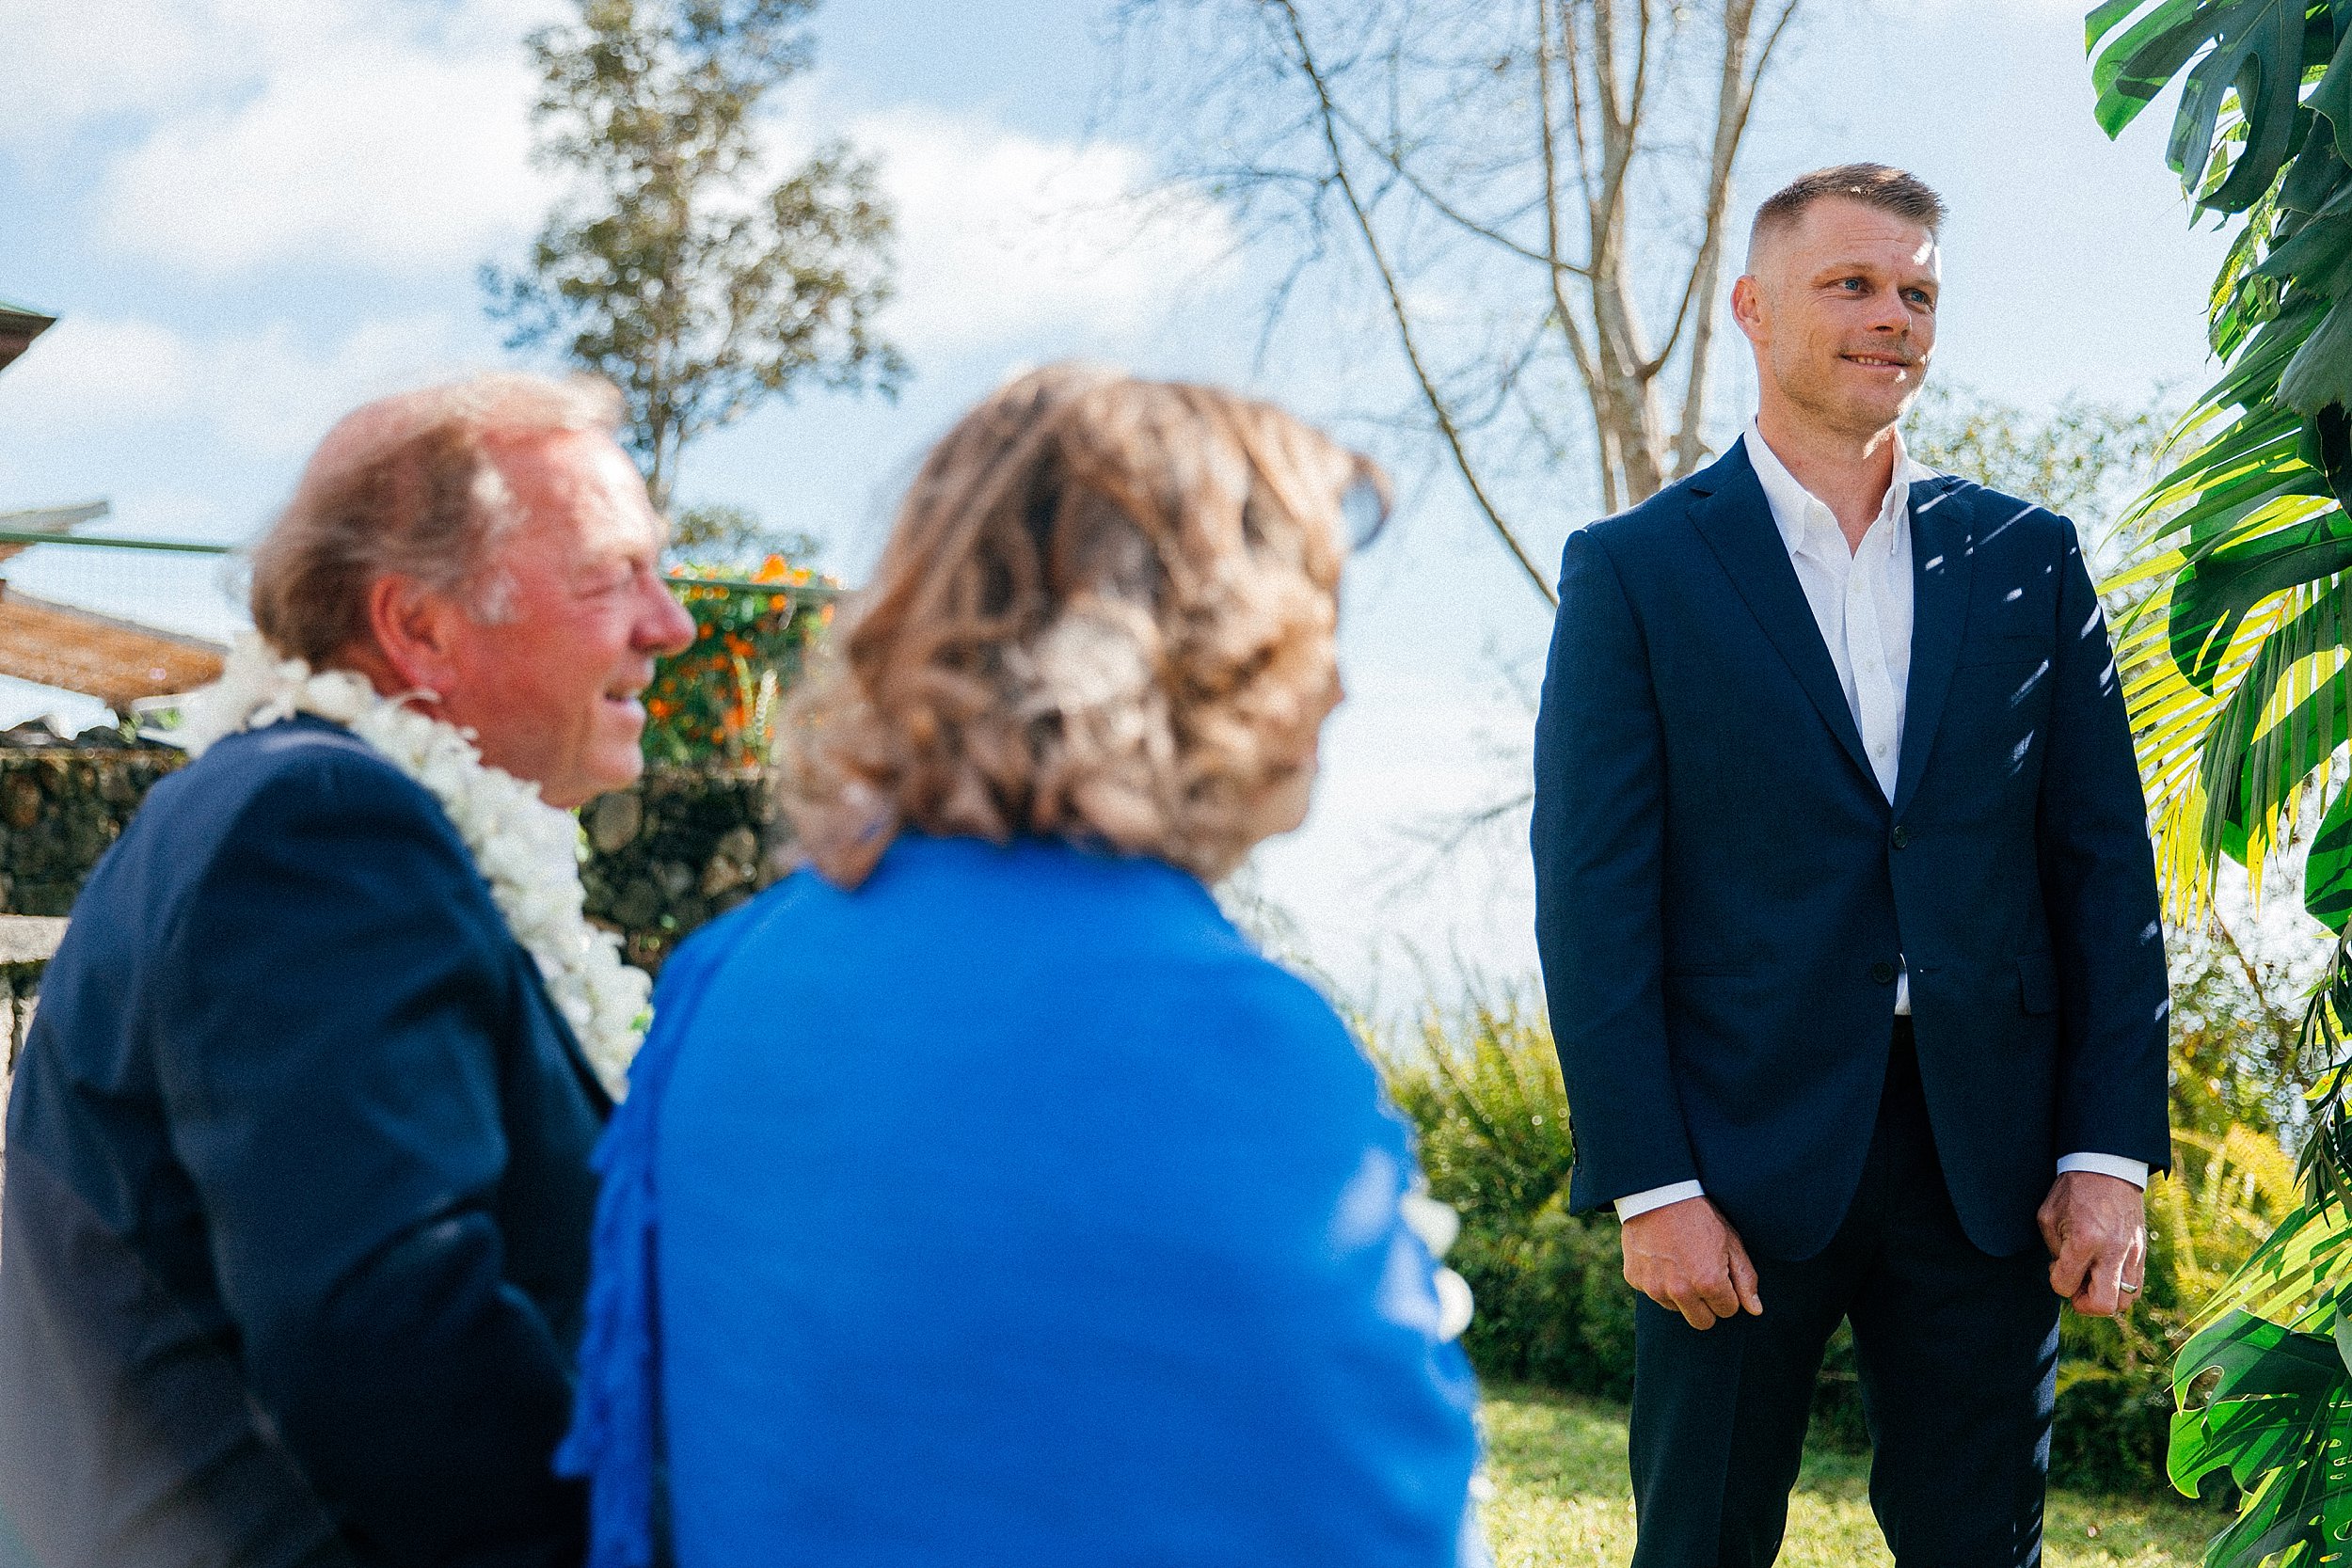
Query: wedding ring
(2121, 1286)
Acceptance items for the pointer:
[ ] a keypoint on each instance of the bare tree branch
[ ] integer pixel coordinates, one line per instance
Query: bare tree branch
(1439, 203)
(1524, 191)
(1562, 312)
(1735, 102)
(1403, 317)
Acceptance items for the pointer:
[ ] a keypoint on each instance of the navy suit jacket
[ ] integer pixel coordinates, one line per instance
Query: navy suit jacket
(297, 1197)
(1724, 894)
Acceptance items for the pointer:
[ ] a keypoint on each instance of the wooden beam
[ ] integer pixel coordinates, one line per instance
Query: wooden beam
(114, 660)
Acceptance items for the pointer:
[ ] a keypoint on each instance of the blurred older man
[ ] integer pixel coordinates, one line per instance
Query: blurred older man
(298, 1209)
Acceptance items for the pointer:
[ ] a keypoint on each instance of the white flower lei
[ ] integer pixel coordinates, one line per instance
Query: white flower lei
(527, 850)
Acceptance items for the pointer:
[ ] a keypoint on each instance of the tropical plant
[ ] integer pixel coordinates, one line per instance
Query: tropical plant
(2225, 1191)
(716, 699)
(2235, 660)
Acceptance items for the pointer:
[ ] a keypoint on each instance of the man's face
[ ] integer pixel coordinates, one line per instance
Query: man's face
(549, 683)
(1841, 310)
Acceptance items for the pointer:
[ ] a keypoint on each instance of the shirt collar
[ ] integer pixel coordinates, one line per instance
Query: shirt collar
(1796, 512)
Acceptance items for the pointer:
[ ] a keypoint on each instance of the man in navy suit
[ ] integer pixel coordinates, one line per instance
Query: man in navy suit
(296, 1215)
(1848, 925)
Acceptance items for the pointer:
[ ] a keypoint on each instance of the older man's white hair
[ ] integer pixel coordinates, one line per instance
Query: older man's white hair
(408, 484)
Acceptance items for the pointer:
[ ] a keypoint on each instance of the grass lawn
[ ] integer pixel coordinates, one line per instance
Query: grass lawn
(1561, 1498)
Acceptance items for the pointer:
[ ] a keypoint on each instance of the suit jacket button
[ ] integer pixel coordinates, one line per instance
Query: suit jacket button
(1902, 836)
(1883, 972)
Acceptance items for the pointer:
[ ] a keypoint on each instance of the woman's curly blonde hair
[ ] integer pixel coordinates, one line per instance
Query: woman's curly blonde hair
(1105, 615)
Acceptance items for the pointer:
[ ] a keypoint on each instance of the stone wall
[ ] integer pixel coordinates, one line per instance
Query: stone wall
(61, 807)
(682, 845)
(686, 845)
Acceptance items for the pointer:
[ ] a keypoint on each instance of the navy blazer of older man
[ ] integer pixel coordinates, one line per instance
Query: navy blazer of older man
(298, 1193)
(1725, 896)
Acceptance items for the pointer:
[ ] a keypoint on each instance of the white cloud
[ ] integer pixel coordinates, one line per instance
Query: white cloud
(69, 65)
(272, 393)
(86, 371)
(268, 393)
(1003, 236)
(389, 133)
(394, 137)
(361, 135)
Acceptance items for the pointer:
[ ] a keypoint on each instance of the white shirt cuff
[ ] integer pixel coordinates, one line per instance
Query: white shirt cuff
(1657, 1197)
(2133, 1171)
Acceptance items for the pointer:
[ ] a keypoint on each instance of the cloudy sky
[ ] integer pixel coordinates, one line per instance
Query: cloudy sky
(251, 215)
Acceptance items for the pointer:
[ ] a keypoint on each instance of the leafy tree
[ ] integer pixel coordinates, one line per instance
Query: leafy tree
(1535, 196)
(2235, 658)
(718, 534)
(672, 267)
(2084, 459)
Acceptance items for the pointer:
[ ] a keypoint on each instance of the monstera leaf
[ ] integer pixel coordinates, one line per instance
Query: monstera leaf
(2213, 595)
(2252, 777)
(2258, 51)
(2278, 1420)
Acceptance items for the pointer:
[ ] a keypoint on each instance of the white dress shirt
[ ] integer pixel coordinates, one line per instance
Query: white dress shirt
(1860, 597)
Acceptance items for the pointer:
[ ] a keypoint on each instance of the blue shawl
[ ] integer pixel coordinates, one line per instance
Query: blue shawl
(1010, 1207)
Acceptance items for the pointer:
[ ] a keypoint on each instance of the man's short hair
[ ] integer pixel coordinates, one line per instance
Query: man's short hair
(1889, 190)
(407, 484)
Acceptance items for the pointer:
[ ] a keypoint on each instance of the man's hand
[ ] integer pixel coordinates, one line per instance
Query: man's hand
(1685, 1257)
(2097, 1227)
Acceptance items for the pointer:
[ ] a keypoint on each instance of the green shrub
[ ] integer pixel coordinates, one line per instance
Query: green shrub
(2111, 1428)
(1484, 1089)
(1482, 1086)
(1554, 1308)
(1838, 1419)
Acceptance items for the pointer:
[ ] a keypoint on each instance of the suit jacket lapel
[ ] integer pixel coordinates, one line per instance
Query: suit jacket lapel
(1942, 558)
(1735, 519)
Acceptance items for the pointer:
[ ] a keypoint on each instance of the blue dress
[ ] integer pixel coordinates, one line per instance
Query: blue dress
(1011, 1210)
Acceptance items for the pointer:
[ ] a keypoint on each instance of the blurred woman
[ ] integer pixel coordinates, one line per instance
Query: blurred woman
(1000, 1203)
